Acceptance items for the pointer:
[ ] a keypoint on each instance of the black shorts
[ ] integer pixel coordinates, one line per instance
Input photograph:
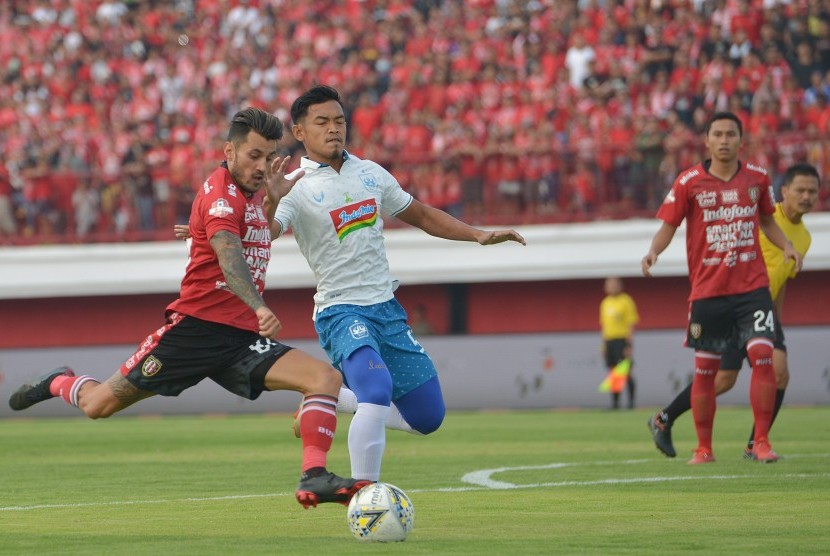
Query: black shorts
(715, 323)
(187, 350)
(732, 359)
(615, 351)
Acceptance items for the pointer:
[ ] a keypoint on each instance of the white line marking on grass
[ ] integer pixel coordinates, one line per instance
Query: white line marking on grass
(479, 478)
(136, 502)
(484, 478)
(628, 481)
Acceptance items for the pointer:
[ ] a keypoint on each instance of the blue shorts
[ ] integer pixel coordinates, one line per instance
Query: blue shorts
(344, 328)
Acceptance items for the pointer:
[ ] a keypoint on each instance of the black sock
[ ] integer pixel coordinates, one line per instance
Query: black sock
(779, 400)
(679, 405)
(632, 388)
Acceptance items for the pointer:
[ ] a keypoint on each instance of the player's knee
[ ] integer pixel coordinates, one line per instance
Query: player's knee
(759, 352)
(724, 381)
(368, 376)
(782, 378)
(324, 379)
(782, 369)
(376, 391)
(427, 422)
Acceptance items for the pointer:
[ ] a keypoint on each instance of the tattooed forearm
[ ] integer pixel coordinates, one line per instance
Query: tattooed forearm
(228, 248)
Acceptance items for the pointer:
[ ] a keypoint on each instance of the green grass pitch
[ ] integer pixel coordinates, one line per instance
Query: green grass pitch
(513, 482)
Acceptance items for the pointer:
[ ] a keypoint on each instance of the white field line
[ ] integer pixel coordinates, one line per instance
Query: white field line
(480, 479)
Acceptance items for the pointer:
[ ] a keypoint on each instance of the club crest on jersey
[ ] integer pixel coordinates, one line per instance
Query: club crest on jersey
(753, 194)
(354, 217)
(220, 208)
(369, 181)
(358, 330)
(151, 366)
(695, 330)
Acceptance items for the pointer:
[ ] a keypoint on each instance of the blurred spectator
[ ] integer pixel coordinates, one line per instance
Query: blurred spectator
(8, 222)
(85, 204)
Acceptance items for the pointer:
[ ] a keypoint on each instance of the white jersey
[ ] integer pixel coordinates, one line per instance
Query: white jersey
(336, 219)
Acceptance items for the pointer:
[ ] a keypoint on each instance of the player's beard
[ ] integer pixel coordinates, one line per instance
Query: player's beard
(245, 185)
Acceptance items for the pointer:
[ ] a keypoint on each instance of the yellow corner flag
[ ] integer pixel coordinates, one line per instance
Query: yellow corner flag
(615, 380)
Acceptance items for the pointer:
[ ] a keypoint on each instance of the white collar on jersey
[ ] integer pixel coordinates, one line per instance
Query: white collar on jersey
(306, 162)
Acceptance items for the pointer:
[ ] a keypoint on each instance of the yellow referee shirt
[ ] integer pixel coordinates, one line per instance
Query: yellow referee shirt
(617, 316)
(778, 269)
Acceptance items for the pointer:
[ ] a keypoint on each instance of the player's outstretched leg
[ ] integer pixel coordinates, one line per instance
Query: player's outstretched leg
(38, 390)
(318, 486)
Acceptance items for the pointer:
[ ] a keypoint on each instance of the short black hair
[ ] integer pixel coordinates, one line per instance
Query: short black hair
(724, 116)
(316, 95)
(799, 169)
(260, 121)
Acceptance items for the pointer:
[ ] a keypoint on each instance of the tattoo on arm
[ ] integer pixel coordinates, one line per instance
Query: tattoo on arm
(228, 249)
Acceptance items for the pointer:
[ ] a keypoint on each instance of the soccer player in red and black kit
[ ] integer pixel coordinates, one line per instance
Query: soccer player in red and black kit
(724, 201)
(220, 327)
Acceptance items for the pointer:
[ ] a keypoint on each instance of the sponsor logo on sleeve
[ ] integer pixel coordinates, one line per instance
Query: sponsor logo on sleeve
(758, 169)
(220, 208)
(687, 176)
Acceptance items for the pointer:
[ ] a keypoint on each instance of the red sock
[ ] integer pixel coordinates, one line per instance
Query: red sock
(762, 386)
(68, 387)
(703, 397)
(318, 421)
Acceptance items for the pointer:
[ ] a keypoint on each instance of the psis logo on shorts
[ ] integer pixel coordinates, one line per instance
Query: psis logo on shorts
(151, 366)
(695, 329)
(358, 330)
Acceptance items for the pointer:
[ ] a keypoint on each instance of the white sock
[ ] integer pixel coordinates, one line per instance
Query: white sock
(367, 440)
(347, 403)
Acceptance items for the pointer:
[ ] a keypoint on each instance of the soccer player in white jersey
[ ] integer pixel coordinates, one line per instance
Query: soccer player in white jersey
(335, 210)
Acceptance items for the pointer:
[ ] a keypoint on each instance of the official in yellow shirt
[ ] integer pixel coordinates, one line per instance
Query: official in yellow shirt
(617, 317)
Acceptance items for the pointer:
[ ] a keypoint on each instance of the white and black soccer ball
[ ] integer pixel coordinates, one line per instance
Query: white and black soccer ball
(380, 512)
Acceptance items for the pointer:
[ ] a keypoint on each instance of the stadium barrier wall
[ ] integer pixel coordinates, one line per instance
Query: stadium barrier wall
(524, 308)
(477, 372)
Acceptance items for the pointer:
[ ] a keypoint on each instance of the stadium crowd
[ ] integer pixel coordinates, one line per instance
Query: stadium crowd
(499, 111)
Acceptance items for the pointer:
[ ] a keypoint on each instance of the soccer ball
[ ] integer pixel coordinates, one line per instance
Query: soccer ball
(380, 512)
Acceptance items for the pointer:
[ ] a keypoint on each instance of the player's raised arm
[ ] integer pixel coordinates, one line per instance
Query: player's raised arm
(229, 252)
(438, 223)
